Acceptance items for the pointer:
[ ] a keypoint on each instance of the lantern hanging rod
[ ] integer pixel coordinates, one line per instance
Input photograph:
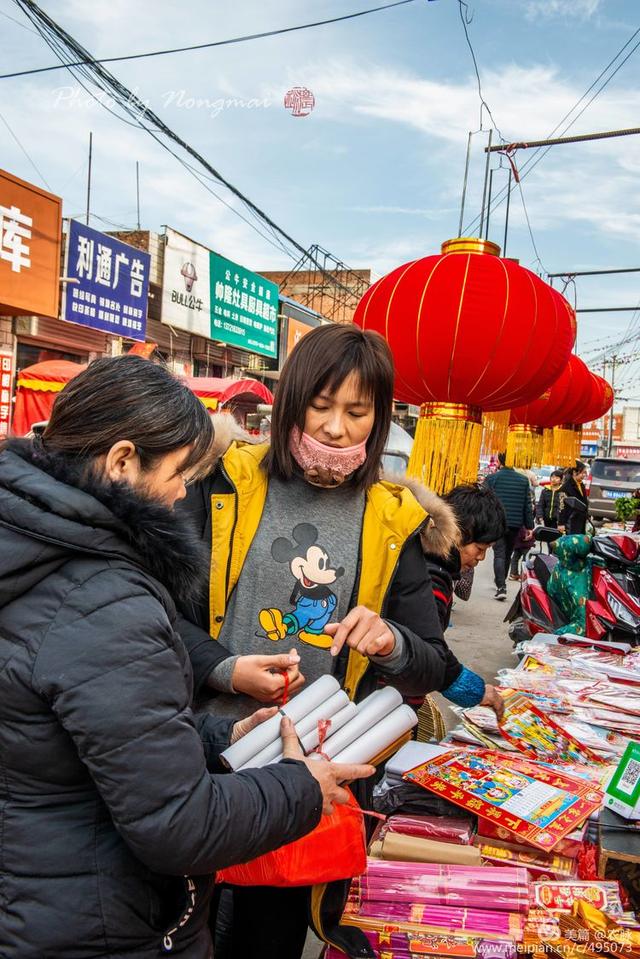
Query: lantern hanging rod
(571, 273)
(607, 309)
(579, 138)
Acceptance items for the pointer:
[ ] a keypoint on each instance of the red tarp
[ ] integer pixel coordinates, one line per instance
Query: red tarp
(37, 388)
(215, 392)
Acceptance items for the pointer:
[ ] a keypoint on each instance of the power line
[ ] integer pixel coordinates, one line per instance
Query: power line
(538, 155)
(465, 18)
(208, 46)
(29, 158)
(62, 44)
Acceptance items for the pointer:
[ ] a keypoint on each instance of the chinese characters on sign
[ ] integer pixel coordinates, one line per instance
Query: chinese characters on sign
(30, 231)
(111, 287)
(6, 375)
(244, 308)
(15, 236)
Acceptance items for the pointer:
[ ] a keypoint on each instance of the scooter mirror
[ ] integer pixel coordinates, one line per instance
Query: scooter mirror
(546, 534)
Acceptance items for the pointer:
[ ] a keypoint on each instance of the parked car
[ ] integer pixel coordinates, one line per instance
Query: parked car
(611, 479)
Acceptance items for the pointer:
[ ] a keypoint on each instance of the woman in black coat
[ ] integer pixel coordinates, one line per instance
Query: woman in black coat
(570, 518)
(111, 824)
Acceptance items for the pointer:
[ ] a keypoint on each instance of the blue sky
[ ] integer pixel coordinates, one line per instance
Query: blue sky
(374, 174)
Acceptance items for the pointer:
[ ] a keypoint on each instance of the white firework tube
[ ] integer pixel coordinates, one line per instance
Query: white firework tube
(383, 734)
(303, 703)
(370, 711)
(326, 711)
(311, 740)
(273, 752)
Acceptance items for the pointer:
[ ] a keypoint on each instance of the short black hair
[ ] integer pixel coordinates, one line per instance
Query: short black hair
(479, 513)
(559, 474)
(502, 459)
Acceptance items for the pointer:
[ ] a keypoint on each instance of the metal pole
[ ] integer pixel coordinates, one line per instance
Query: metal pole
(138, 191)
(605, 424)
(554, 141)
(613, 387)
(486, 180)
(486, 231)
(506, 218)
(572, 273)
(89, 177)
(464, 184)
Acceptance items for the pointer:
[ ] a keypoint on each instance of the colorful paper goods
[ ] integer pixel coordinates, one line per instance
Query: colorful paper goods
(535, 734)
(540, 804)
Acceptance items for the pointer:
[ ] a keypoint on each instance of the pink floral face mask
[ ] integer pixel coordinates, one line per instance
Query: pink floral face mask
(323, 465)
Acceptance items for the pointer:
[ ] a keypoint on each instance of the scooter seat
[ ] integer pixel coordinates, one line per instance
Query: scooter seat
(543, 566)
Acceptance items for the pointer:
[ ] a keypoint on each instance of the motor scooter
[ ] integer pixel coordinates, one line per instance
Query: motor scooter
(612, 611)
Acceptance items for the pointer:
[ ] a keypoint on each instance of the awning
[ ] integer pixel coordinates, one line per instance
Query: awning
(37, 388)
(216, 392)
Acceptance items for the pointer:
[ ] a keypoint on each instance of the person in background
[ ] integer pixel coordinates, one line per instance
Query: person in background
(548, 506)
(482, 522)
(570, 518)
(514, 492)
(521, 546)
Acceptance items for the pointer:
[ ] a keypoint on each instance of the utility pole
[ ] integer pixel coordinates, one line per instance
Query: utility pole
(138, 191)
(614, 360)
(89, 177)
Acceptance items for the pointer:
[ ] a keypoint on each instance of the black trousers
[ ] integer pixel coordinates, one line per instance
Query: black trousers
(502, 552)
(261, 922)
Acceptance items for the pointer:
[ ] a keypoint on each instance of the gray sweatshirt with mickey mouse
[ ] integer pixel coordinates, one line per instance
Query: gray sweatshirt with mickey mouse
(300, 574)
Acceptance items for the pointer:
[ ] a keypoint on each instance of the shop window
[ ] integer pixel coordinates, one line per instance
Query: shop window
(29, 353)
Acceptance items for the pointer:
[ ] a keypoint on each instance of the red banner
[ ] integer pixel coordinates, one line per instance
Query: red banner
(6, 377)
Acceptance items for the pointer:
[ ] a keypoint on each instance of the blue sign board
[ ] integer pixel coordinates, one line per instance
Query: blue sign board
(107, 284)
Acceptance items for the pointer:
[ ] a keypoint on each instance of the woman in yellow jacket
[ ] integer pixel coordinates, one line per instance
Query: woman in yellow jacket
(316, 567)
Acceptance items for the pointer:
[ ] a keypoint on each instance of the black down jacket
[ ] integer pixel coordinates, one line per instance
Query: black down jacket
(111, 824)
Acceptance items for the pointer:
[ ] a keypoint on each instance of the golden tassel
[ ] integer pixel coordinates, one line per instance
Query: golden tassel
(446, 448)
(524, 446)
(547, 448)
(567, 440)
(494, 435)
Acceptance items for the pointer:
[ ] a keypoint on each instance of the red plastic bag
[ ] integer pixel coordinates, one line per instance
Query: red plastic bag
(335, 849)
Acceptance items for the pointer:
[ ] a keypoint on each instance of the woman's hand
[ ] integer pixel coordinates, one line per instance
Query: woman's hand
(494, 700)
(244, 726)
(363, 630)
(262, 677)
(329, 775)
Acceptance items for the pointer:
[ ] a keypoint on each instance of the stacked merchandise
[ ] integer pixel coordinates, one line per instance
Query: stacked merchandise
(534, 787)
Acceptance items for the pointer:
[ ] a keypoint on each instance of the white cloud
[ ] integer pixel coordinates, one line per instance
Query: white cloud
(567, 9)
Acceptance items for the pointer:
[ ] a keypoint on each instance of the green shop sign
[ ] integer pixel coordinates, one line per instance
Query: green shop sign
(244, 308)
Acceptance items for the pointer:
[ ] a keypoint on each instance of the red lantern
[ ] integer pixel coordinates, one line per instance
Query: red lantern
(525, 446)
(469, 327)
(469, 331)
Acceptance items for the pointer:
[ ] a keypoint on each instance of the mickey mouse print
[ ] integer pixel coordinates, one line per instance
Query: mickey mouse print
(312, 601)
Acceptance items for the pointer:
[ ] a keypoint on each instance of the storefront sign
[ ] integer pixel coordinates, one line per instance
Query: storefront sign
(6, 377)
(186, 288)
(30, 236)
(295, 331)
(210, 296)
(109, 283)
(244, 308)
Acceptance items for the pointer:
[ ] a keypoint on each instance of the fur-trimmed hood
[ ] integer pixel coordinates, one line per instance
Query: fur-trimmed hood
(439, 536)
(59, 509)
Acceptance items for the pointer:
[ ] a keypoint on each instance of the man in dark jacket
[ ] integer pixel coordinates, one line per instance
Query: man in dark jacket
(548, 506)
(514, 492)
(111, 824)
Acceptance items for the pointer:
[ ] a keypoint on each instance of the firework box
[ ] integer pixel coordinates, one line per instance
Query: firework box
(623, 792)
(570, 846)
(540, 804)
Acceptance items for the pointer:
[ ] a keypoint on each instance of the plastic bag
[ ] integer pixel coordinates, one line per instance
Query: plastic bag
(335, 849)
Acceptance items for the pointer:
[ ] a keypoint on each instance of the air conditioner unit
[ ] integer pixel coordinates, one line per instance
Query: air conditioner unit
(26, 325)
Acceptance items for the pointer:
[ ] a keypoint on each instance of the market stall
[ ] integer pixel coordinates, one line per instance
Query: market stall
(239, 397)
(36, 391)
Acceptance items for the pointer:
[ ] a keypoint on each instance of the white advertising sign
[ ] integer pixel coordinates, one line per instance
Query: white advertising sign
(186, 287)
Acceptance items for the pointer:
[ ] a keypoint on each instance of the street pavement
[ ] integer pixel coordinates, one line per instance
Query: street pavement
(480, 640)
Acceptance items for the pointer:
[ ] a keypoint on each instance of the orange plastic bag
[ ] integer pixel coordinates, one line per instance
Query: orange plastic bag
(335, 849)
